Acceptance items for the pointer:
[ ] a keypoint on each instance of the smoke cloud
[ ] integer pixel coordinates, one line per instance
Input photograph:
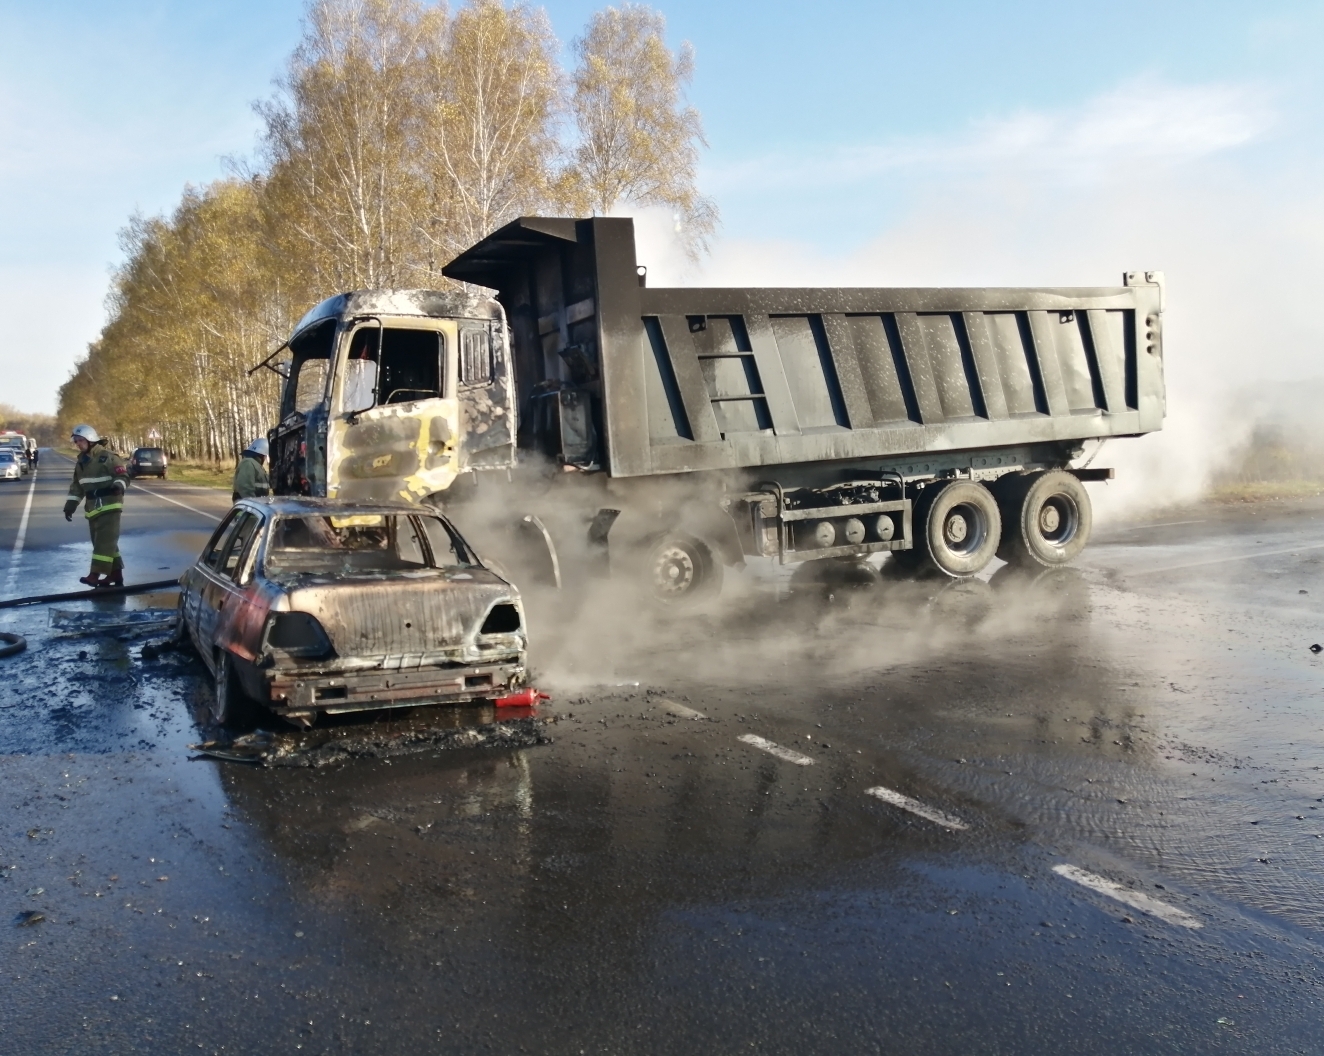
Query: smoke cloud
(1210, 184)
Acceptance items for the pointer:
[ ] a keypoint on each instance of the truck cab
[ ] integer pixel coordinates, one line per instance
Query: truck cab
(391, 395)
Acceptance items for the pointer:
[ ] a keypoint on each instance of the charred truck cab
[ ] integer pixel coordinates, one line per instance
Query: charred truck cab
(390, 395)
(667, 433)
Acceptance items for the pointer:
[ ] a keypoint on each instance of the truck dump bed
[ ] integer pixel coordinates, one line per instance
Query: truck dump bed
(659, 381)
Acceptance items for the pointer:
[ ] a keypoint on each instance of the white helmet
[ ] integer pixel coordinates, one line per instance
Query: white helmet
(259, 447)
(86, 432)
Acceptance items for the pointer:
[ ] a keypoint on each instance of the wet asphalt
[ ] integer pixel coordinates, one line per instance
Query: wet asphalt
(649, 882)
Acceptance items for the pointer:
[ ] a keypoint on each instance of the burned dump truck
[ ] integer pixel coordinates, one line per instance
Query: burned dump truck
(669, 433)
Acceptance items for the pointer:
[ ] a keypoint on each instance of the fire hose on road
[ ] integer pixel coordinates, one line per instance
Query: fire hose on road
(16, 643)
(99, 592)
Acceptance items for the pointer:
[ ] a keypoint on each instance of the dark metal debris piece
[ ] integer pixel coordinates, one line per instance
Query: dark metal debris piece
(122, 625)
(155, 648)
(28, 917)
(1317, 648)
(300, 750)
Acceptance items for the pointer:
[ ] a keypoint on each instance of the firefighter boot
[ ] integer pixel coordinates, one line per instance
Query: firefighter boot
(116, 577)
(92, 579)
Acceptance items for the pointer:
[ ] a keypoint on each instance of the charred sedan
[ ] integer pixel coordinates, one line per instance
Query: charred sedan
(311, 606)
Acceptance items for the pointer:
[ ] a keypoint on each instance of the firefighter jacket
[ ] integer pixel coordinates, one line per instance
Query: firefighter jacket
(250, 480)
(100, 478)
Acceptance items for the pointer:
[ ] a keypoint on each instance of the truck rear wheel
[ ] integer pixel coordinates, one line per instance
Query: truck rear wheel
(1048, 519)
(680, 570)
(957, 528)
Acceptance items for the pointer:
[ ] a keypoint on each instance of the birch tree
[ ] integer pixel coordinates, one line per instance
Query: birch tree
(344, 185)
(491, 133)
(638, 143)
(400, 135)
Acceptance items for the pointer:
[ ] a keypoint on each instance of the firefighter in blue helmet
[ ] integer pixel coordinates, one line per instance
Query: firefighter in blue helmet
(101, 476)
(250, 478)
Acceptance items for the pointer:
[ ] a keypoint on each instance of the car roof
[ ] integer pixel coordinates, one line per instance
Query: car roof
(295, 505)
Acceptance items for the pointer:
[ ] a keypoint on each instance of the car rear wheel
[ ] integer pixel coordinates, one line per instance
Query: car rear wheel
(231, 706)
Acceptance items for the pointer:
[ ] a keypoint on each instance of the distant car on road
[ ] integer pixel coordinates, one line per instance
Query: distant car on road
(17, 445)
(148, 462)
(11, 465)
(314, 606)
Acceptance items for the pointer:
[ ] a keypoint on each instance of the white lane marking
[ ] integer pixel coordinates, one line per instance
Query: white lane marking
(164, 498)
(947, 821)
(21, 539)
(1224, 560)
(679, 710)
(1162, 524)
(772, 748)
(1134, 899)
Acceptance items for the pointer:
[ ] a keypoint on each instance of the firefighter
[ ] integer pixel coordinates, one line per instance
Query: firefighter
(100, 479)
(250, 478)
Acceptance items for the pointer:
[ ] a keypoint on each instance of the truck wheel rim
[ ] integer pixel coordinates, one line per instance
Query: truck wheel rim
(674, 571)
(964, 529)
(1059, 520)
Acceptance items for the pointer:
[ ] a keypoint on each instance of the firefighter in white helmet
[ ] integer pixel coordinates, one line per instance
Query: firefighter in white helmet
(100, 479)
(250, 477)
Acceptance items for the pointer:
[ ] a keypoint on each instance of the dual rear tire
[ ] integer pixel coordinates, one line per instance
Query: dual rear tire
(1047, 519)
(956, 526)
(1038, 520)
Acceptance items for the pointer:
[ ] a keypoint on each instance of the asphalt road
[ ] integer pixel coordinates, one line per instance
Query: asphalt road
(1078, 814)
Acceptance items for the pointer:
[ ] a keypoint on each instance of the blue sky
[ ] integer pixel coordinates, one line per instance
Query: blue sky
(899, 143)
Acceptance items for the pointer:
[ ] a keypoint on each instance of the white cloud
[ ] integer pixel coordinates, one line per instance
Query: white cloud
(1142, 121)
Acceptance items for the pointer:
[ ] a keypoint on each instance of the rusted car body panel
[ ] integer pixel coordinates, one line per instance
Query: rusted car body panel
(423, 635)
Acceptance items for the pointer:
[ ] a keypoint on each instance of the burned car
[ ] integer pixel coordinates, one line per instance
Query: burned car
(316, 606)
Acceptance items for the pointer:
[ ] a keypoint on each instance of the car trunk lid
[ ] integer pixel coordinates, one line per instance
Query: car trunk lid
(407, 619)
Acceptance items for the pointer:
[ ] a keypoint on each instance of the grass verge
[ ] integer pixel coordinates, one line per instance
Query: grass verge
(1266, 490)
(202, 474)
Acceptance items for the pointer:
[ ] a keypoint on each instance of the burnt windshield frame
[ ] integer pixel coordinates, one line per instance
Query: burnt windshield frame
(464, 553)
(318, 342)
(276, 568)
(402, 374)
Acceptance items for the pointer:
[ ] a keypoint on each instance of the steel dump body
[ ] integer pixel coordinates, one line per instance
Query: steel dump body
(647, 382)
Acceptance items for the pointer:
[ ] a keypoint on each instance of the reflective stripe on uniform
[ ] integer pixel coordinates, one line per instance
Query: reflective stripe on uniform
(89, 514)
(94, 480)
(103, 557)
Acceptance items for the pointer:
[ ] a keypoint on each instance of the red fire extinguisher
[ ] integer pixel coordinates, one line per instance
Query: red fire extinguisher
(525, 698)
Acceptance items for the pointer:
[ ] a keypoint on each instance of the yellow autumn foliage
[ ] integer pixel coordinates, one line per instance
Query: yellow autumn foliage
(400, 133)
